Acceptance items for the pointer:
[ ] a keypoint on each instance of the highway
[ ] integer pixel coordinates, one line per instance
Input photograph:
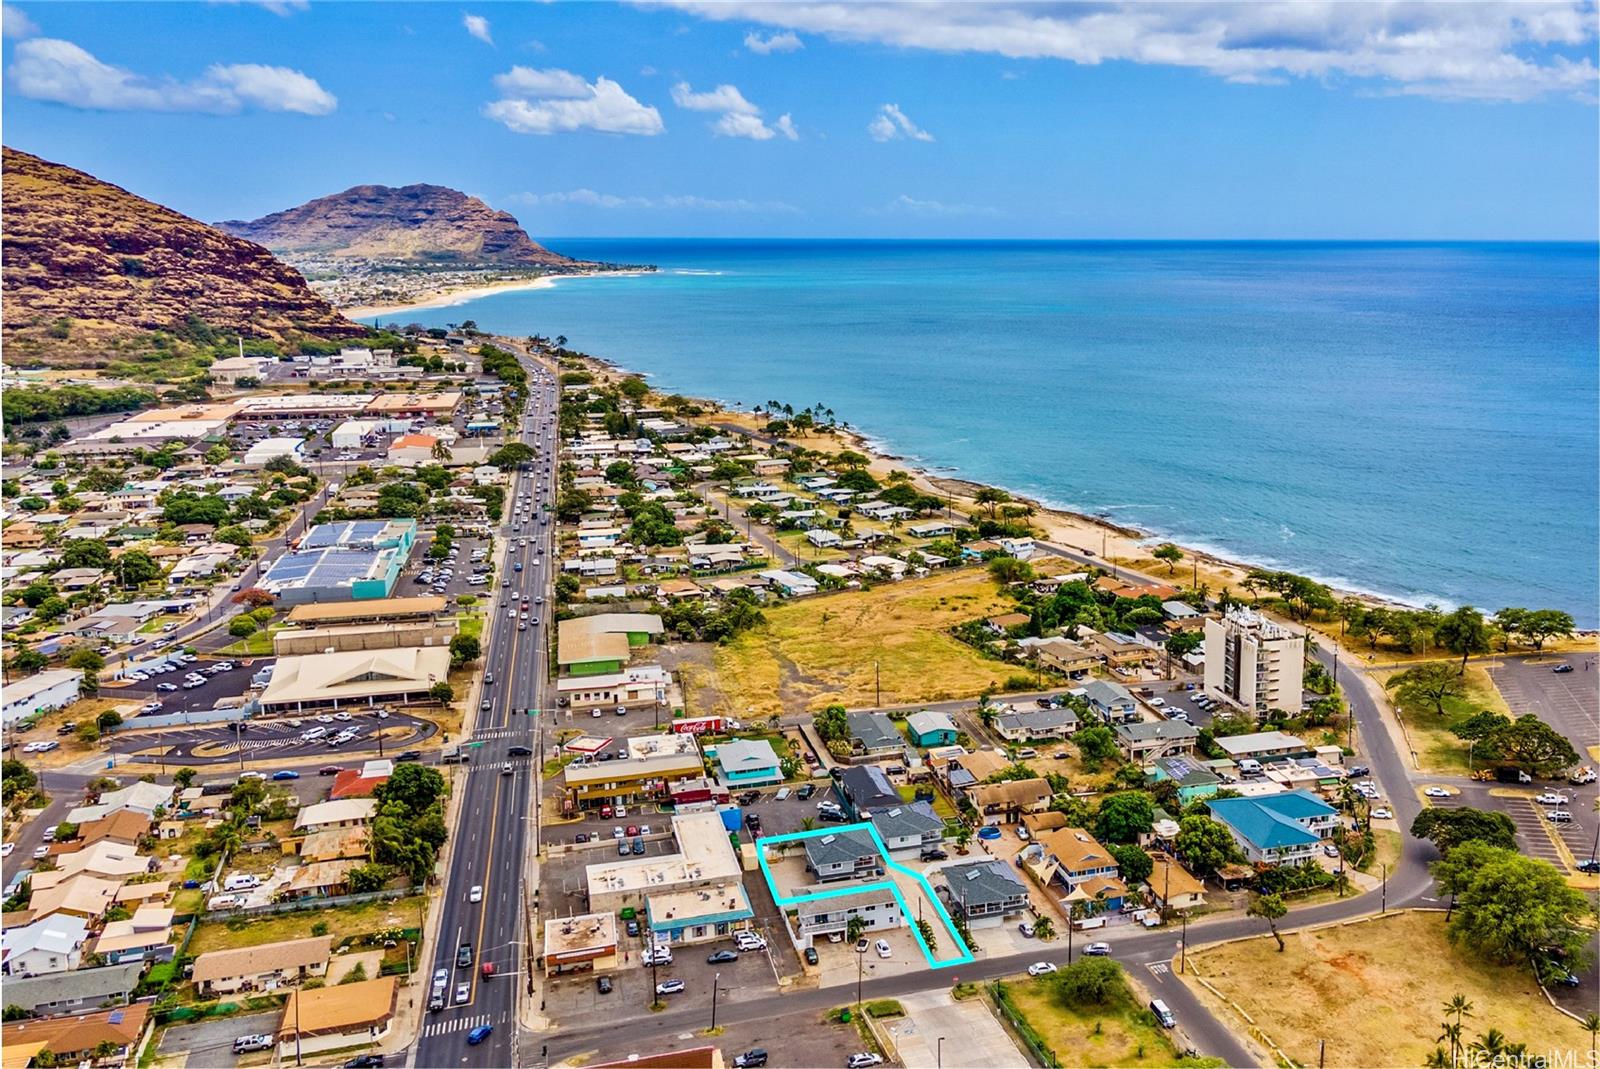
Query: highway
(492, 840)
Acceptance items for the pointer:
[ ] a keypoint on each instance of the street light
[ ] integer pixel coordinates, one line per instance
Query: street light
(938, 1053)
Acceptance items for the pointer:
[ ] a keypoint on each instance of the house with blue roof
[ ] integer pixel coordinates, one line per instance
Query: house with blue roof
(1277, 829)
(748, 763)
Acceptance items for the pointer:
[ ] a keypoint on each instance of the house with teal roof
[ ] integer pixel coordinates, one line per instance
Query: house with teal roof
(1277, 829)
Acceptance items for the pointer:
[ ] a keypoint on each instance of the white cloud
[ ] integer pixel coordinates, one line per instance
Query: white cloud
(557, 101)
(932, 209)
(281, 8)
(588, 198)
(1488, 50)
(477, 26)
(892, 124)
(62, 72)
(16, 22)
(740, 118)
(777, 42)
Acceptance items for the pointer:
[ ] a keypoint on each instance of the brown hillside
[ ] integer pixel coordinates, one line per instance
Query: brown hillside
(427, 224)
(116, 266)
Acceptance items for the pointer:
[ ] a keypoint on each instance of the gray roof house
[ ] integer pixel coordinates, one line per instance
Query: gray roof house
(1110, 701)
(1036, 724)
(842, 855)
(908, 827)
(864, 788)
(76, 991)
(985, 891)
(873, 733)
(1145, 741)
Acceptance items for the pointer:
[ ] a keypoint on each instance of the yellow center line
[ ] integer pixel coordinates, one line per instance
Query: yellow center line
(483, 906)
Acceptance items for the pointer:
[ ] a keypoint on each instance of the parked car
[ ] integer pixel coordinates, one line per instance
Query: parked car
(811, 955)
(364, 1061)
(1098, 950)
(864, 1060)
(669, 987)
(882, 947)
(603, 985)
(1562, 669)
(750, 1059)
(722, 957)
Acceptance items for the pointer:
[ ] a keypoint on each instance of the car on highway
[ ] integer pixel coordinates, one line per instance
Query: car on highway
(464, 956)
(410, 755)
(670, 987)
(520, 751)
(479, 1034)
(1041, 968)
(364, 1061)
(330, 770)
(476, 894)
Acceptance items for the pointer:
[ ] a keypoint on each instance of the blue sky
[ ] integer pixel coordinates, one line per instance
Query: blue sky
(1197, 120)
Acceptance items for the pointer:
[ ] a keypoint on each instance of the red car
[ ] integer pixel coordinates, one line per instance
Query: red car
(605, 812)
(633, 829)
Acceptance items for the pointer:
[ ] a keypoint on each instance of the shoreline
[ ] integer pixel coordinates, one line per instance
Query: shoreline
(452, 296)
(1120, 546)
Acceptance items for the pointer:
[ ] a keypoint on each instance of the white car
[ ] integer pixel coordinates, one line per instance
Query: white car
(1436, 792)
(1156, 703)
(476, 894)
(341, 717)
(166, 686)
(882, 946)
(1382, 814)
(1041, 968)
(863, 1060)
(324, 719)
(5, 851)
(1551, 798)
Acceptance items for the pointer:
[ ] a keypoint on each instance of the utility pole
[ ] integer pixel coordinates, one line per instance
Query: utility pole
(877, 685)
(716, 985)
(1383, 902)
(1183, 953)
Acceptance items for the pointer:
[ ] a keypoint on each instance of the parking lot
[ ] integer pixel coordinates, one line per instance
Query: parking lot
(1567, 701)
(1534, 833)
(281, 739)
(229, 684)
(462, 566)
(795, 1041)
(210, 1043)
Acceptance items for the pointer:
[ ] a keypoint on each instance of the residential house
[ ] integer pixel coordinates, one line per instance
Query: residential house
(874, 734)
(823, 538)
(1025, 724)
(931, 728)
(261, 968)
(1076, 859)
(967, 770)
(876, 907)
(790, 584)
(1005, 623)
(326, 816)
(1262, 745)
(748, 762)
(1277, 829)
(80, 1039)
(864, 788)
(932, 529)
(1111, 702)
(52, 994)
(1064, 655)
(842, 855)
(913, 826)
(1194, 780)
(984, 893)
(49, 945)
(78, 895)
(1171, 887)
(141, 797)
(337, 1018)
(143, 937)
(1006, 801)
(1144, 741)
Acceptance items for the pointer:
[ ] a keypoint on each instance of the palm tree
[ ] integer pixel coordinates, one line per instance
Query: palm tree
(1044, 928)
(1461, 1006)
(807, 823)
(1491, 1045)
(854, 928)
(1451, 1034)
(441, 452)
(1591, 1024)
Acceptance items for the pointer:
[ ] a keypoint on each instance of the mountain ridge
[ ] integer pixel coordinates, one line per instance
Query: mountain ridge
(422, 223)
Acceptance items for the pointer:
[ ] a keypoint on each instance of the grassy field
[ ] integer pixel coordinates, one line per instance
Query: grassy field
(346, 920)
(1438, 749)
(1375, 992)
(818, 651)
(1122, 1033)
(256, 645)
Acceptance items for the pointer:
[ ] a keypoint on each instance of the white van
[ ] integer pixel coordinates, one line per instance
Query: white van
(241, 881)
(1248, 766)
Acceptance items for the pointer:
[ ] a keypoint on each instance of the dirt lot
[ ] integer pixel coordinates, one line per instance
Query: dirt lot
(794, 1041)
(1374, 991)
(347, 920)
(822, 650)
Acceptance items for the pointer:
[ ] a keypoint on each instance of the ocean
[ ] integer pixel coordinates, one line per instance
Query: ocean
(1417, 421)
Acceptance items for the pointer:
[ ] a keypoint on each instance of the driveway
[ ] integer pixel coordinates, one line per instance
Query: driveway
(210, 1043)
(970, 1033)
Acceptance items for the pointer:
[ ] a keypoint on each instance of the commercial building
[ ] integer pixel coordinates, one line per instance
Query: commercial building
(602, 654)
(639, 627)
(267, 450)
(1254, 664)
(414, 450)
(342, 561)
(373, 611)
(692, 895)
(370, 677)
(654, 763)
(354, 433)
(642, 685)
(41, 692)
(585, 943)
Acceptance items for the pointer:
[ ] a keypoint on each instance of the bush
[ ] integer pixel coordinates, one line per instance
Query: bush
(242, 627)
(884, 1007)
(320, 928)
(1090, 982)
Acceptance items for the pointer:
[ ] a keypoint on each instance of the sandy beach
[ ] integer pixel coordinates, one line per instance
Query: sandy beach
(449, 297)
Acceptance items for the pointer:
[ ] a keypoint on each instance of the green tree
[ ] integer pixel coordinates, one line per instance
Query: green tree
(1532, 745)
(1182, 643)
(1134, 865)
(991, 498)
(242, 626)
(89, 660)
(1544, 624)
(1465, 632)
(1510, 908)
(85, 553)
(464, 649)
(1044, 928)
(1169, 553)
(854, 928)
(1448, 828)
(134, 568)
(1269, 908)
(1006, 570)
(1204, 844)
(1125, 816)
(442, 691)
(1096, 744)
(1089, 982)
(1433, 683)
(183, 778)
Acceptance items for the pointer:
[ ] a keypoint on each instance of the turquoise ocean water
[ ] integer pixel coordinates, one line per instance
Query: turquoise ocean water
(1415, 420)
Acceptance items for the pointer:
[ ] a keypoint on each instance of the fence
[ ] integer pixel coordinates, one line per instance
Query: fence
(1020, 1027)
(299, 905)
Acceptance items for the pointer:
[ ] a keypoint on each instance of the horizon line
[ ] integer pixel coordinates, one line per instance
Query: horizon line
(953, 239)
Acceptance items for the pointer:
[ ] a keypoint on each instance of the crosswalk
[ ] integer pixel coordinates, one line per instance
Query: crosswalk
(501, 733)
(489, 766)
(459, 1024)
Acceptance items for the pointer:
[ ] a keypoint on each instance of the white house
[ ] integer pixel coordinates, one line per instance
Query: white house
(826, 916)
(791, 584)
(51, 945)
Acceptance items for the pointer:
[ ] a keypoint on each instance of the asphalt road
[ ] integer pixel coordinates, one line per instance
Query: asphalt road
(279, 740)
(490, 842)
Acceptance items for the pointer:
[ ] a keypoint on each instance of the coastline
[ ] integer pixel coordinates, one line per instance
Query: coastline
(451, 296)
(1117, 546)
